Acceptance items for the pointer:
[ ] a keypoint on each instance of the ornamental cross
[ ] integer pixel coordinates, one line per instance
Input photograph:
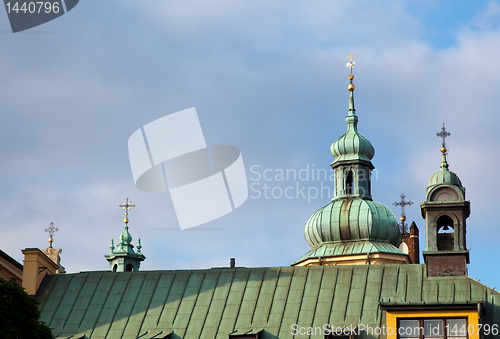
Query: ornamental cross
(403, 203)
(350, 64)
(443, 134)
(126, 206)
(51, 230)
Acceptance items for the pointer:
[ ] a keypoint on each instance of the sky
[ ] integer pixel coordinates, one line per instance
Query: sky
(266, 77)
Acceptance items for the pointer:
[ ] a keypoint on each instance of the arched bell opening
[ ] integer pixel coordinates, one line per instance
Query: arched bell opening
(349, 182)
(446, 234)
(129, 267)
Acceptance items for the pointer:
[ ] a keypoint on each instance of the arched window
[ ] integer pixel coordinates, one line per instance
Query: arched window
(446, 235)
(115, 267)
(129, 267)
(349, 183)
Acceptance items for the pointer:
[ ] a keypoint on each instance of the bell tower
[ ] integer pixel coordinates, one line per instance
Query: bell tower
(445, 211)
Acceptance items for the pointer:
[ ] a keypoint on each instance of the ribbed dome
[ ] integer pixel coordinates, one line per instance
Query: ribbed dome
(444, 177)
(352, 220)
(352, 145)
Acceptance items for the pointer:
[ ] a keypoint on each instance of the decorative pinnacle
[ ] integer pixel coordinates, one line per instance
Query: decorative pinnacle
(350, 65)
(51, 230)
(126, 206)
(403, 203)
(139, 246)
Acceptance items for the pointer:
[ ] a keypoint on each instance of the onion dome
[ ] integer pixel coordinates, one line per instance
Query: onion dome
(126, 241)
(352, 145)
(352, 229)
(352, 220)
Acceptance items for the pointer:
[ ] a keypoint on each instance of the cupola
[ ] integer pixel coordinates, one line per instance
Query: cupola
(123, 257)
(445, 211)
(352, 229)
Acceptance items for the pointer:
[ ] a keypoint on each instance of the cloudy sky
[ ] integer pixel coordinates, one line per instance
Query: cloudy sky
(266, 77)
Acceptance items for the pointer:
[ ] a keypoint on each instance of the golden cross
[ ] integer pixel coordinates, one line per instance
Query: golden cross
(351, 56)
(126, 206)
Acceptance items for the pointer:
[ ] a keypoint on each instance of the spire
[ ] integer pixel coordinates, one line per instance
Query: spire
(443, 134)
(351, 111)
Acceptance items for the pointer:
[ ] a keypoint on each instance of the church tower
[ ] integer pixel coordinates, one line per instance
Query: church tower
(352, 229)
(445, 211)
(123, 258)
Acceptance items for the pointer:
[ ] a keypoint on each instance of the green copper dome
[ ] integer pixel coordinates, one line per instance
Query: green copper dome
(352, 145)
(352, 220)
(352, 228)
(444, 176)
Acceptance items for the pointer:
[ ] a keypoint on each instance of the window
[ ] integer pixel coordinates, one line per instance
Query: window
(434, 320)
(432, 328)
(349, 183)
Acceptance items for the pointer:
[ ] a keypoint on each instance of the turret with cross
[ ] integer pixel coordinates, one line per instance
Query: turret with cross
(124, 258)
(445, 211)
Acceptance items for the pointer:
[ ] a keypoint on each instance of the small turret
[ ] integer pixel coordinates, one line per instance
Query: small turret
(445, 211)
(123, 258)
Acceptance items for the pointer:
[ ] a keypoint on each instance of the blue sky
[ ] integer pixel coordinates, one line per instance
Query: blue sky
(268, 78)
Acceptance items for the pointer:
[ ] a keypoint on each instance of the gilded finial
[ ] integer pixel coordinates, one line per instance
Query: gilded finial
(51, 230)
(350, 65)
(126, 206)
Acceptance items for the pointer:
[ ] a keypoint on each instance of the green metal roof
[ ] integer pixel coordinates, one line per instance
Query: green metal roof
(330, 249)
(214, 303)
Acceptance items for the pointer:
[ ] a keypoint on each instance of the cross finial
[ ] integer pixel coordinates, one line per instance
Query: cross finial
(51, 230)
(403, 203)
(351, 76)
(443, 134)
(126, 206)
